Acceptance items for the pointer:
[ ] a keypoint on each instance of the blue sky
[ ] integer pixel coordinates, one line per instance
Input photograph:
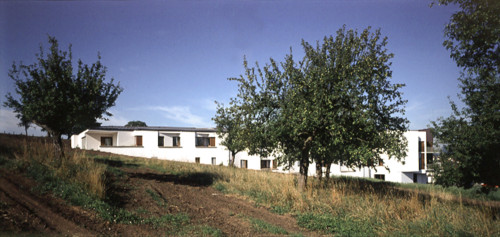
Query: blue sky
(173, 58)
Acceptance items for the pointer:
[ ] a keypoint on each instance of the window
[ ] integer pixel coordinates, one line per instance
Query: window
(161, 141)
(421, 162)
(138, 140)
(415, 178)
(176, 141)
(214, 161)
(205, 141)
(106, 141)
(265, 164)
(197, 160)
(275, 164)
(244, 164)
(429, 159)
(380, 176)
(169, 140)
(380, 163)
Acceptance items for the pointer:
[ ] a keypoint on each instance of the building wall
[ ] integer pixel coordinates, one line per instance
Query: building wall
(405, 171)
(124, 143)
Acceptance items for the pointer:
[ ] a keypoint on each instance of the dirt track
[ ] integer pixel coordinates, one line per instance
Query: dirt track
(22, 211)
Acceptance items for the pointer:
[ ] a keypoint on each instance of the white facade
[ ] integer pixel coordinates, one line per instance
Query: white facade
(203, 146)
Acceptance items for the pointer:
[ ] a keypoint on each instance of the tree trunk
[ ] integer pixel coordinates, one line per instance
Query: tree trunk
(58, 148)
(328, 166)
(319, 170)
(233, 156)
(304, 166)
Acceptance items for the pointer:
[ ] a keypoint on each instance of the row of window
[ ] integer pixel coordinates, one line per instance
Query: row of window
(214, 160)
(166, 141)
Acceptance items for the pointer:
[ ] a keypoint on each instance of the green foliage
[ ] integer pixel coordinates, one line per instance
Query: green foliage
(471, 135)
(340, 224)
(264, 227)
(59, 98)
(173, 222)
(157, 198)
(230, 128)
(335, 105)
(136, 123)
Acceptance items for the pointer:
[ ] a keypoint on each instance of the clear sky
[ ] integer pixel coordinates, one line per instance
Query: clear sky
(173, 58)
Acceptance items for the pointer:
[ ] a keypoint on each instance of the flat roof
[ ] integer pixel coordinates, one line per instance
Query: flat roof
(154, 128)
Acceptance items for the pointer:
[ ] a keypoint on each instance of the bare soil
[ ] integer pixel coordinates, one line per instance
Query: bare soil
(24, 211)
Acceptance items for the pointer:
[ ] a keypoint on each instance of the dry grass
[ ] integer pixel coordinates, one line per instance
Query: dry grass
(344, 206)
(77, 167)
(384, 208)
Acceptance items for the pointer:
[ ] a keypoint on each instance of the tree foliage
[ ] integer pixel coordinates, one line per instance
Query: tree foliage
(230, 128)
(472, 133)
(58, 99)
(136, 123)
(335, 105)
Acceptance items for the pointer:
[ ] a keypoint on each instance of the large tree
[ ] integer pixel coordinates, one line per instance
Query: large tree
(335, 105)
(58, 98)
(472, 133)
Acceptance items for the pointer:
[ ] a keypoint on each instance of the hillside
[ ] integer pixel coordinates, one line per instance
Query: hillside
(101, 194)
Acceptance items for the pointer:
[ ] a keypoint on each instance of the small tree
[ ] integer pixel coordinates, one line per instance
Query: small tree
(58, 99)
(335, 105)
(230, 128)
(472, 133)
(136, 123)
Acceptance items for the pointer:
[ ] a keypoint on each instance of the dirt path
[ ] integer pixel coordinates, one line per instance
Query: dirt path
(32, 213)
(25, 211)
(205, 205)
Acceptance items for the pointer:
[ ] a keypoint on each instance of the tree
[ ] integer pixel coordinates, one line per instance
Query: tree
(335, 105)
(472, 133)
(230, 128)
(136, 123)
(58, 100)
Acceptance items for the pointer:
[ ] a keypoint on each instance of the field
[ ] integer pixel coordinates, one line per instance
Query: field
(95, 193)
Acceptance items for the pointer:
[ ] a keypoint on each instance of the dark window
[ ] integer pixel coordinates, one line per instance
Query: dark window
(429, 159)
(161, 141)
(176, 141)
(265, 164)
(214, 161)
(205, 141)
(138, 140)
(380, 163)
(197, 160)
(421, 148)
(244, 164)
(106, 141)
(380, 176)
(415, 178)
(421, 162)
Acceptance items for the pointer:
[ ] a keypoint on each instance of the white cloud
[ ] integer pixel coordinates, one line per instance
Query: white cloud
(115, 120)
(8, 124)
(182, 115)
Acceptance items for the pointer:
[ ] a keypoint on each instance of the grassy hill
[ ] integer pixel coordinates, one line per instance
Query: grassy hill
(137, 196)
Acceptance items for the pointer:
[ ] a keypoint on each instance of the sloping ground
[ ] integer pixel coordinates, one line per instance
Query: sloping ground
(141, 191)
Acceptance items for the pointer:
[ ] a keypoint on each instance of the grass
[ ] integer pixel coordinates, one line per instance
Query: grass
(350, 206)
(340, 206)
(264, 227)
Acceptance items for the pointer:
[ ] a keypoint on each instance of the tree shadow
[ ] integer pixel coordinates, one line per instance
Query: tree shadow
(197, 179)
(115, 163)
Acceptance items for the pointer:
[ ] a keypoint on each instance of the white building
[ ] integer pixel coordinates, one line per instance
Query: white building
(201, 145)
